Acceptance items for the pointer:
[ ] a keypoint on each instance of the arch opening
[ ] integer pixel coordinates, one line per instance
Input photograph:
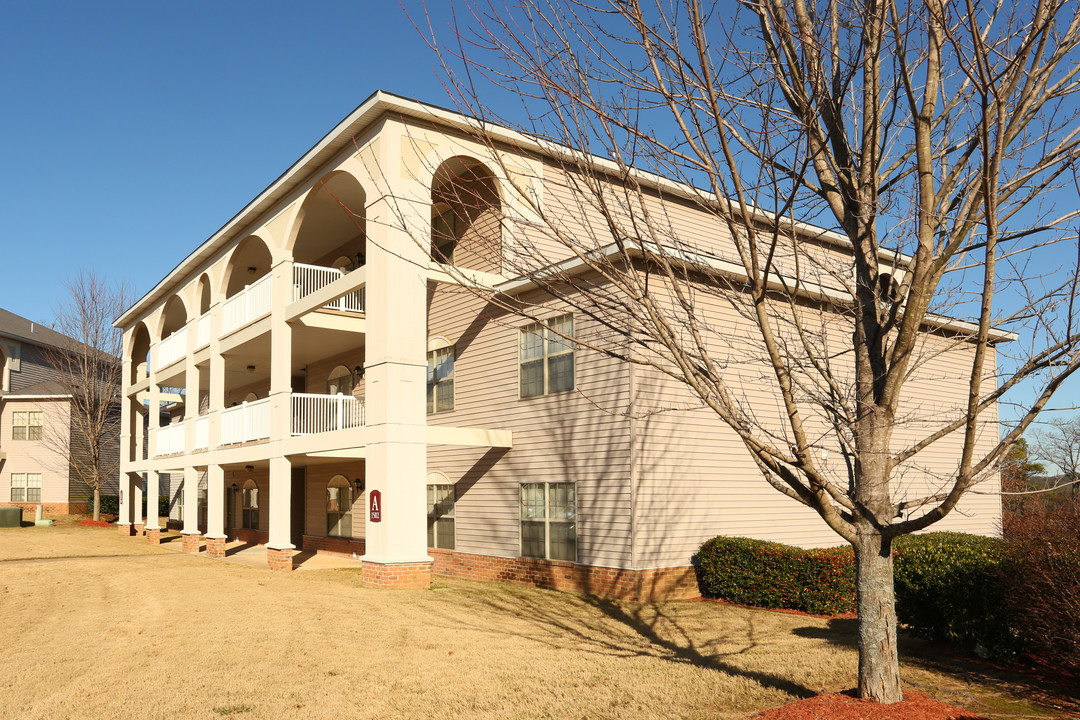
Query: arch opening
(466, 215)
(140, 353)
(332, 224)
(250, 261)
(203, 293)
(174, 317)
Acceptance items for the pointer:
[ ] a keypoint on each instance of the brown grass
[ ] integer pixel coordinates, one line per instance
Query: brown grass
(153, 633)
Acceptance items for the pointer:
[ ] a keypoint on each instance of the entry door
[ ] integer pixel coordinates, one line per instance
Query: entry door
(299, 506)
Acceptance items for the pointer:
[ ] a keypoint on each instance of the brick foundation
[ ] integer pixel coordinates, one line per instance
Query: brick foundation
(251, 537)
(49, 508)
(396, 576)
(215, 547)
(336, 547)
(140, 529)
(153, 536)
(125, 529)
(192, 542)
(678, 583)
(279, 560)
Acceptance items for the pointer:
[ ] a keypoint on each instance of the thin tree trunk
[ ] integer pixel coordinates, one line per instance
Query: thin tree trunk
(97, 503)
(879, 664)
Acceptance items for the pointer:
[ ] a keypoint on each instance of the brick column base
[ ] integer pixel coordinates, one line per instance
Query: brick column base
(396, 576)
(125, 529)
(140, 528)
(153, 536)
(215, 547)
(279, 560)
(192, 541)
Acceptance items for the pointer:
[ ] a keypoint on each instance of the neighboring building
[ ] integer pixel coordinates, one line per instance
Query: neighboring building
(36, 428)
(293, 346)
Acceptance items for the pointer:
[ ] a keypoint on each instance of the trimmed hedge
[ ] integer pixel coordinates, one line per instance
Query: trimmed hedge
(948, 588)
(110, 505)
(773, 575)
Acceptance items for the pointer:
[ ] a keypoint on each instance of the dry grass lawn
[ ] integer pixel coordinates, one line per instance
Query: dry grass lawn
(106, 627)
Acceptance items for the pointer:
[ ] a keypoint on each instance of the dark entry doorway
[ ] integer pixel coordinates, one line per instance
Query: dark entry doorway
(298, 506)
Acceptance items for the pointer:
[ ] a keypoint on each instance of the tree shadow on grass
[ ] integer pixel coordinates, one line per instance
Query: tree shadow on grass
(629, 630)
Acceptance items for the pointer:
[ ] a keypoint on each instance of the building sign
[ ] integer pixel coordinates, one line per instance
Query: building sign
(375, 505)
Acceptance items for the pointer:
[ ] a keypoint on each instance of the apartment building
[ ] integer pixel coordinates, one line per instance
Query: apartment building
(328, 385)
(36, 428)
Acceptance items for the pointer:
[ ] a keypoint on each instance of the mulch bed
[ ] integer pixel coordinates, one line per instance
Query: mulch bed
(95, 523)
(847, 706)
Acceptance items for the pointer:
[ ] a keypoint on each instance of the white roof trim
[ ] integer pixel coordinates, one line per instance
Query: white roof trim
(376, 105)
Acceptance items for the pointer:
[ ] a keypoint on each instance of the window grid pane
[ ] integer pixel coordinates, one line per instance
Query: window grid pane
(553, 343)
(563, 541)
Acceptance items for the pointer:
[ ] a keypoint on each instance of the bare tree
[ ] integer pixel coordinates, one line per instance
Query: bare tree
(927, 138)
(1058, 444)
(88, 367)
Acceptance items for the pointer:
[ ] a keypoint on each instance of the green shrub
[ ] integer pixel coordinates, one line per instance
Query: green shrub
(110, 505)
(773, 575)
(947, 588)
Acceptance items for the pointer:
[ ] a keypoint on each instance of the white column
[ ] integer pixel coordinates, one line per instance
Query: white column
(217, 376)
(280, 504)
(396, 367)
(153, 482)
(191, 501)
(191, 392)
(215, 502)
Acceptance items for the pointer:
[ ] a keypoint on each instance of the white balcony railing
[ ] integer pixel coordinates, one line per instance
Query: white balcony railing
(313, 414)
(172, 348)
(202, 331)
(202, 433)
(248, 305)
(246, 422)
(170, 439)
(311, 278)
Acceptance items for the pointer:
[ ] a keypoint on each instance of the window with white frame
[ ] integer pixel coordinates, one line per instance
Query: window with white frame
(440, 380)
(25, 487)
(26, 426)
(250, 503)
(440, 524)
(339, 502)
(549, 521)
(546, 357)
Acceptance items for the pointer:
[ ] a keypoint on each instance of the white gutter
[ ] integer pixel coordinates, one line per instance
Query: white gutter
(9, 396)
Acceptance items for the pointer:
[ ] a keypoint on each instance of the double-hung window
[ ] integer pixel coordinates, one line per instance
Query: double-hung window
(546, 357)
(26, 426)
(549, 521)
(440, 380)
(440, 526)
(25, 487)
(250, 501)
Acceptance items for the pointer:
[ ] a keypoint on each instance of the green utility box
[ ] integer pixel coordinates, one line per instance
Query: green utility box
(10, 517)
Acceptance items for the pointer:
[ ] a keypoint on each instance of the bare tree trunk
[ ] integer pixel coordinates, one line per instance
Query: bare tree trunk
(879, 664)
(97, 502)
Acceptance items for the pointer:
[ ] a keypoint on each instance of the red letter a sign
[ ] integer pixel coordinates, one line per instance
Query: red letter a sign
(375, 505)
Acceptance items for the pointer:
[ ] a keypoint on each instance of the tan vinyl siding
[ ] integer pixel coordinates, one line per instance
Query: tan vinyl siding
(37, 456)
(580, 436)
(318, 476)
(697, 480)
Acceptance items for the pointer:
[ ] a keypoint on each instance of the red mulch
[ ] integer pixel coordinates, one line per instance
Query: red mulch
(95, 523)
(845, 706)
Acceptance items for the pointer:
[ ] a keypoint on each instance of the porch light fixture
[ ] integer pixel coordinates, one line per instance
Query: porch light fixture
(251, 271)
(359, 370)
(235, 487)
(359, 486)
(249, 468)
(251, 368)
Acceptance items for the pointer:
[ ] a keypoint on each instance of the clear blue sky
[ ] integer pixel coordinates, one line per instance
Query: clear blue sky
(132, 131)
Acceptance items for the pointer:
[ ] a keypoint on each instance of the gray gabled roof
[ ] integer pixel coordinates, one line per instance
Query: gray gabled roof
(19, 328)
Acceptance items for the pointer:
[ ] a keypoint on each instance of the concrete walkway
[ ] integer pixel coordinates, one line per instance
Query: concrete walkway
(241, 553)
